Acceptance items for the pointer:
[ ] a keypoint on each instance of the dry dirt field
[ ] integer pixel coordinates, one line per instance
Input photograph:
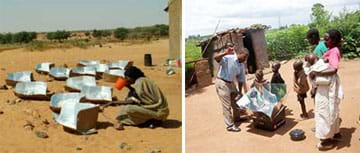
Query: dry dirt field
(205, 128)
(14, 138)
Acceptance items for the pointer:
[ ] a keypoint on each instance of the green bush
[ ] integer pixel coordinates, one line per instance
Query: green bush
(348, 23)
(79, 43)
(192, 52)
(20, 37)
(101, 33)
(149, 32)
(121, 33)
(24, 37)
(289, 42)
(6, 38)
(38, 45)
(286, 42)
(58, 35)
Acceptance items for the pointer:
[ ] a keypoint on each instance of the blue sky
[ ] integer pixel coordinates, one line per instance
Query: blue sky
(202, 16)
(51, 15)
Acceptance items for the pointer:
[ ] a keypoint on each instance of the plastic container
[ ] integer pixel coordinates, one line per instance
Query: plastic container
(120, 83)
(178, 63)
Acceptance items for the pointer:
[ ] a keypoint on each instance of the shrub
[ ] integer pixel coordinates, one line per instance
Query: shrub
(121, 33)
(58, 35)
(287, 42)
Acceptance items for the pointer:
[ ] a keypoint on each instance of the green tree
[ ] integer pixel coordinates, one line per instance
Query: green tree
(287, 42)
(320, 18)
(58, 35)
(97, 33)
(101, 33)
(87, 33)
(23, 37)
(121, 33)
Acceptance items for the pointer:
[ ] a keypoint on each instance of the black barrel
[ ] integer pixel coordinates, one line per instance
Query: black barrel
(148, 60)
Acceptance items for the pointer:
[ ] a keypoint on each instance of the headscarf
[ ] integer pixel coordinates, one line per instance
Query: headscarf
(134, 73)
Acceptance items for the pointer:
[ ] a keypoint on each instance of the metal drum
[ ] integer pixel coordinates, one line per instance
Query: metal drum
(147, 60)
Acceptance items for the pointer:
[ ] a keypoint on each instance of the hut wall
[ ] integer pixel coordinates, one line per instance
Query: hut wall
(254, 41)
(259, 45)
(203, 74)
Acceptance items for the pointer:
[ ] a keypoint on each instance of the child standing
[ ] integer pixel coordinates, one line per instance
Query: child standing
(259, 80)
(301, 86)
(276, 77)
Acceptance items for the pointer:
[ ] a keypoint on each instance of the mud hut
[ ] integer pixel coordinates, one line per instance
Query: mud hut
(252, 38)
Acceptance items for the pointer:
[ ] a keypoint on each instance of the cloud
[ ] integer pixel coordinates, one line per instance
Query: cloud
(201, 16)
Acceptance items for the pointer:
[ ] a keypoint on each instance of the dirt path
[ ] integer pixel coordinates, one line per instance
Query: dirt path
(14, 138)
(205, 129)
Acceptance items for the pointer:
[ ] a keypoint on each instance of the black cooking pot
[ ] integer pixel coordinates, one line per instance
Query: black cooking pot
(297, 135)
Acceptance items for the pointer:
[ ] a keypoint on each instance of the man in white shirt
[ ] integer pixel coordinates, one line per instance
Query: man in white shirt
(231, 69)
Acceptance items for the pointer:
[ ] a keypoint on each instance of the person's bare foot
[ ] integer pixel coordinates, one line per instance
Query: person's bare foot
(304, 117)
(119, 126)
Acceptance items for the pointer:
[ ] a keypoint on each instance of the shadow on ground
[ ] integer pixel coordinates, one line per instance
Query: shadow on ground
(194, 90)
(168, 124)
(289, 124)
(346, 137)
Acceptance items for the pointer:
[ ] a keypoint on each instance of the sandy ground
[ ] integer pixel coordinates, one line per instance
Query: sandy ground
(15, 138)
(205, 128)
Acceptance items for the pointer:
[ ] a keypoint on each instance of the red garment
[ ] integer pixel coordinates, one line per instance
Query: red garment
(333, 55)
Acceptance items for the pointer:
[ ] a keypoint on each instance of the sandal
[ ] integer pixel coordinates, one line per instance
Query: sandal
(119, 126)
(325, 145)
(337, 136)
(233, 129)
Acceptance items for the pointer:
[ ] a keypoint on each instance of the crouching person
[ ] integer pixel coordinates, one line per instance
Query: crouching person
(149, 103)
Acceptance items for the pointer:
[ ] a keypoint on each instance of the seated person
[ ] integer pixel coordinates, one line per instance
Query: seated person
(149, 101)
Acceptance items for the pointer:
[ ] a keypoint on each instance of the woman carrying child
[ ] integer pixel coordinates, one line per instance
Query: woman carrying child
(328, 96)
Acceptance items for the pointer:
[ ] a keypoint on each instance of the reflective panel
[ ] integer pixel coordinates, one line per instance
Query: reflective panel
(31, 88)
(44, 67)
(118, 73)
(257, 101)
(97, 93)
(88, 70)
(101, 68)
(89, 62)
(58, 100)
(59, 72)
(24, 76)
(122, 64)
(113, 75)
(79, 116)
(78, 82)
